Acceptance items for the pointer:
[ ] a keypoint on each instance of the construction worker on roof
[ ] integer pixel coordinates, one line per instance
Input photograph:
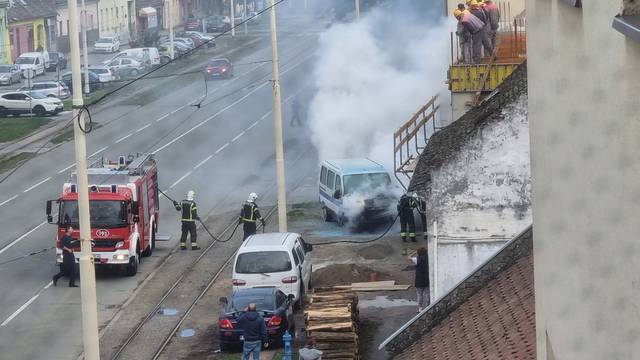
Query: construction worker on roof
(406, 204)
(189, 215)
(249, 215)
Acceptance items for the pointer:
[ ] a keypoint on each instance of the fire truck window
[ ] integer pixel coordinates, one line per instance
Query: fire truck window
(104, 214)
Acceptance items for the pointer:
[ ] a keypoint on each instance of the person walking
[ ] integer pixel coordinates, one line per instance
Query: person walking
(407, 222)
(249, 215)
(464, 37)
(68, 267)
(494, 19)
(254, 332)
(295, 113)
(189, 215)
(421, 261)
(481, 38)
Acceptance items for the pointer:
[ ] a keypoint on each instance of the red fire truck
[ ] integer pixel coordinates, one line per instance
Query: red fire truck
(123, 207)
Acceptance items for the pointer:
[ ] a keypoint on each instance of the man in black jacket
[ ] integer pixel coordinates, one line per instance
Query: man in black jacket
(254, 332)
(68, 267)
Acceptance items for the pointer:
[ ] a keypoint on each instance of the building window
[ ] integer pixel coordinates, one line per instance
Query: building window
(102, 20)
(574, 3)
(60, 28)
(91, 22)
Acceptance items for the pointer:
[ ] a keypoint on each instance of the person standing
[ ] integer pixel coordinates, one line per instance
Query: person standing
(68, 267)
(407, 222)
(481, 38)
(249, 215)
(464, 37)
(295, 113)
(421, 205)
(421, 260)
(189, 215)
(494, 19)
(254, 332)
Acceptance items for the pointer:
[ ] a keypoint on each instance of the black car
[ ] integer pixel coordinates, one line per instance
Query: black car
(275, 307)
(57, 60)
(215, 24)
(94, 81)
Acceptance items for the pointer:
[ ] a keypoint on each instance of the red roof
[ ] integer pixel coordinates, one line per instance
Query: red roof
(497, 322)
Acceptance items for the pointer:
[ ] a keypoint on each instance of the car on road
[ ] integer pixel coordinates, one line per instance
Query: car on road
(10, 74)
(274, 305)
(94, 81)
(125, 67)
(281, 260)
(107, 44)
(208, 41)
(216, 24)
(218, 68)
(17, 103)
(52, 88)
(104, 73)
(33, 61)
(148, 56)
(57, 60)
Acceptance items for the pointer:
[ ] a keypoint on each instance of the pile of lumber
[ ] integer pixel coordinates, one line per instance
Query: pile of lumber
(388, 285)
(331, 318)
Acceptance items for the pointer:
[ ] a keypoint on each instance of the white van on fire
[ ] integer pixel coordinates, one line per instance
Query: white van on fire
(359, 190)
(280, 260)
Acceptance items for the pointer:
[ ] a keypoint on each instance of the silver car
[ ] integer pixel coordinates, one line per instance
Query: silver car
(48, 88)
(10, 74)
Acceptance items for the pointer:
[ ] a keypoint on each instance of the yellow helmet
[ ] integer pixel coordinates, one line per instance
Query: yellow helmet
(457, 12)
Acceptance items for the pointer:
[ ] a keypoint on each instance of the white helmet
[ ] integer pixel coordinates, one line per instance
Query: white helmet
(252, 197)
(190, 195)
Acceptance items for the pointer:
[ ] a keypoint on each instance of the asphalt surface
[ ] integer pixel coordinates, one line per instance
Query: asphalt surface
(223, 150)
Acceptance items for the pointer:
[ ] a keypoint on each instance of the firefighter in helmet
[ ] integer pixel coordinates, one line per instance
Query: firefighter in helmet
(249, 215)
(406, 204)
(421, 206)
(189, 215)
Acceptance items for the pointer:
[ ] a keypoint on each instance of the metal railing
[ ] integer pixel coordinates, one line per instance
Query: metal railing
(406, 143)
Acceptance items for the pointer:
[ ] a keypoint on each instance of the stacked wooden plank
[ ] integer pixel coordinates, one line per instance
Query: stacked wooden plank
(387, 285)
(331, 318)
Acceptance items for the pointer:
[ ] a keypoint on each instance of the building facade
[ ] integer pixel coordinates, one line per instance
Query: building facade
(584, 131)
(92, 22)
(32, 26)
(117, 17)
(5, 49)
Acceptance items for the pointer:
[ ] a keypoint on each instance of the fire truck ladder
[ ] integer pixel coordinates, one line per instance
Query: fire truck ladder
(406, 146)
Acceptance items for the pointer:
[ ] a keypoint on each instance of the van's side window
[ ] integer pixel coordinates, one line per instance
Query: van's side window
(300, 253)
(330, 179)
(338, 183)
(296, 259)
(323, 175)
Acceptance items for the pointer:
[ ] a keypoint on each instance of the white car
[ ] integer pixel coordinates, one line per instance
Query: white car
(52, 88)
(186, 41)
(125, 67)
(16, 103)
(281, 260)
(104, 73)
(107, 44)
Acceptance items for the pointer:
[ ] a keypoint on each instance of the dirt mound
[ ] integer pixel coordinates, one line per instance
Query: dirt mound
(344, 274)
(375, 252)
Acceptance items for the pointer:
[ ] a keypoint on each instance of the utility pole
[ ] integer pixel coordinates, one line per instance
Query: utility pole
(83, 23)
(170, 23)
(357, 9)
(90, 338)
(277, 120)
(232, 18)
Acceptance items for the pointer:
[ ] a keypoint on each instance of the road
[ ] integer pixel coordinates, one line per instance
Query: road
(223, 150)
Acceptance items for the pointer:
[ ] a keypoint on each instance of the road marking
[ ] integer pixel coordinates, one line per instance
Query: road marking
(122, 138)
(266, 114)
(252, 125)
(209, 118)
(144, 127)
(48, 285)
(99, 151)
(221, 148)
(38, 184)
(20, 309)
(9, 199)
(178, 181)
(67, 168)
(21, 237)
(199, 164)
(237, 136)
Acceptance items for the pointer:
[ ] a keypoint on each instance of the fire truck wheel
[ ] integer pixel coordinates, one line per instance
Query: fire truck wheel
(132, 268)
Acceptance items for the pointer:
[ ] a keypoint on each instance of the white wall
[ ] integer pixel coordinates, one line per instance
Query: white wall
(585, 141)
(91, 8)
(114, 18)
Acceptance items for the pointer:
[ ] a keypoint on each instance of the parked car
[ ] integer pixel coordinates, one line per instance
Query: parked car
(16, 103)
(104, 73)
(107, 44)
(94, 81)
(57, 60)
(10, 74)
(216, 24)
(148, 56)
(186, 41)
(125, 67)
(32, 63)
(208, 41)
(275, 307)
(179, 49)
(194, 24)
(281, 260)
(218, 68)
(48, 88)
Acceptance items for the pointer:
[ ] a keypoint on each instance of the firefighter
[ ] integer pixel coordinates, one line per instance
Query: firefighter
(406, 204)
(188, 218)
(68, 267)
(249, 214)
(421, 205)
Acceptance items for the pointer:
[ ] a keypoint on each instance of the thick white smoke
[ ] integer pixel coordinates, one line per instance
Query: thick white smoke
(371, 75)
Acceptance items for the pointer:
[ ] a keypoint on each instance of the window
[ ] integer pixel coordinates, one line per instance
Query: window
(323, 175)
(101, 22)
(280, 298)
(338, 183)
(263, 262)
(296, 258)
(126, 62)
(300, 253)
(91, 22)
(331, 176)
(574, 3)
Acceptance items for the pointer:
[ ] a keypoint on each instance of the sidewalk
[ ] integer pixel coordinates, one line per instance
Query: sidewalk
(14, 147)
